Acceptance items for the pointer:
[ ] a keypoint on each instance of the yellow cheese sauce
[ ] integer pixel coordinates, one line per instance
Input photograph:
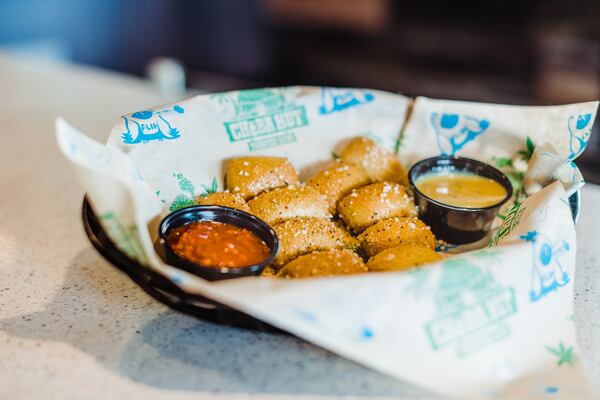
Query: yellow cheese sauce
(461, 189)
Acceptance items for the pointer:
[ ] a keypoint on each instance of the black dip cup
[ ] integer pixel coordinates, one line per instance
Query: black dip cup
(452, 224)
(218, 214)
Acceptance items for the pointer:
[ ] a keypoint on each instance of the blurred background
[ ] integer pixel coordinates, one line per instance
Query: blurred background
(516, 51)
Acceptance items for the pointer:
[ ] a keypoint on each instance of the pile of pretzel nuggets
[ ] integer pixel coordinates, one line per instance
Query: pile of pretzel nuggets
(355, 215)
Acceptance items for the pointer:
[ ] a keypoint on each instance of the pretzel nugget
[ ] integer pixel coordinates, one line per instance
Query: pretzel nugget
(367, 205)
(289, 202)
(250, 176)
(299, 236)
(225, 199)
(402, 257)
(378, 163)
(338, 180)
(395, 231)
(324, 263)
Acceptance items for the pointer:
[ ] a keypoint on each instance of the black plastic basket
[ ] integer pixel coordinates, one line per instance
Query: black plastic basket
(170, 294)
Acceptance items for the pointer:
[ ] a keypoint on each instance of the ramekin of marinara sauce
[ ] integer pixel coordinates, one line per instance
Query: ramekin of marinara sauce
(216, 242)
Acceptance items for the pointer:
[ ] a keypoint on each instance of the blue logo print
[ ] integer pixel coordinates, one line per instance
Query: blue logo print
(147, 125)
(547, 272)
(335, 99)
(580, 129)
(567, 173)
(454, 131)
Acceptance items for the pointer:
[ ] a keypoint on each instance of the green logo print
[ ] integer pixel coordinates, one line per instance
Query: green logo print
(187, 195)
(511, 220)
(471, 309)
(263, 117)
(125, 238)
(419, 277)
(565, 354)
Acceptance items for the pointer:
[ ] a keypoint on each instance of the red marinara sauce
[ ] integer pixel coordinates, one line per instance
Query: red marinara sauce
(217, 244)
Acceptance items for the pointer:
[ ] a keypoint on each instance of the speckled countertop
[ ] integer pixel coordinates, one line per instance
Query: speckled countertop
(72, 326)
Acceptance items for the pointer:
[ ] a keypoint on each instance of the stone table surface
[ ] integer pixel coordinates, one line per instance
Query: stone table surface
(73, 327)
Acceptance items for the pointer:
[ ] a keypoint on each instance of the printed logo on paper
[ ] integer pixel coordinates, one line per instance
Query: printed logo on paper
(567, 172)
(547, 274)
(565, 355)
(454, 131)
(339, 99)
(262, 117)
(125, 238)
(148, 125)
(580, 129)
(472, 308)
(511, 220)
(187, 192)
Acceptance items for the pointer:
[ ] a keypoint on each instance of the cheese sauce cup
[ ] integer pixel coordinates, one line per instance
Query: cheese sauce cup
(216, 242)
(457, 223)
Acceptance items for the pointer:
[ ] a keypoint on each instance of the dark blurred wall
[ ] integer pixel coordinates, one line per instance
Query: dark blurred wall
(225, 36)
(514, 51)
(125, 35)
(75, 30)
